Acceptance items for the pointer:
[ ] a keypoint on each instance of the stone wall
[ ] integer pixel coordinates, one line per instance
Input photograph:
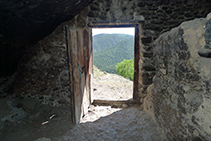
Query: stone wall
(179, 98)
(158, 16)
(43, 71)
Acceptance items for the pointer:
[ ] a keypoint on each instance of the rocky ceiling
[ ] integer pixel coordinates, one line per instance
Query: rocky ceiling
(24, 22)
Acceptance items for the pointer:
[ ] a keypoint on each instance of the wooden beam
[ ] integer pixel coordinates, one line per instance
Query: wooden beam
(97, 24)
(115, 103)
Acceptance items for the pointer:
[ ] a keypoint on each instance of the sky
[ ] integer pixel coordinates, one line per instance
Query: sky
(128, 30)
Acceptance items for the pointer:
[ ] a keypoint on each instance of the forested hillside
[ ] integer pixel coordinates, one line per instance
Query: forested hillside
(107, 58)
(103, 41)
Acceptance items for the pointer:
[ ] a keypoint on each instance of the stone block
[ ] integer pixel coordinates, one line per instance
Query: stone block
(95, 7)
(91, 14)
(146, 40)
(148, 68)
(147, 54)
(29, 104)
(146, 47)
(5, 110)
(149, 74)
(43, 139)
(145, 80)
(141, 4)
(177, 98)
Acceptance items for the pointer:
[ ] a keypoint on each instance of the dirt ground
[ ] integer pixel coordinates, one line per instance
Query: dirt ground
(47, 123)
(130, 124)
(111, 86)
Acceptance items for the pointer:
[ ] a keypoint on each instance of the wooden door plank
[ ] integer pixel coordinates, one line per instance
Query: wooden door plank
(84, 106)
(136, 64)
(76, 76)
(80, 63)
(86, 70)
(80, 57)
(90, 66)
(70, 64)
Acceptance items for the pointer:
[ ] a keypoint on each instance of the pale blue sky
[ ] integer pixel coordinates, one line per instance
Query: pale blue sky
(128, 30)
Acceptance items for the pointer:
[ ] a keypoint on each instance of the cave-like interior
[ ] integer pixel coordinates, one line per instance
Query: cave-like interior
(173, 57)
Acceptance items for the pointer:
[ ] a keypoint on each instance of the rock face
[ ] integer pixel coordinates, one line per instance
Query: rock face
(44, 57)
(25, 22)
(179, 98)
(44, 73)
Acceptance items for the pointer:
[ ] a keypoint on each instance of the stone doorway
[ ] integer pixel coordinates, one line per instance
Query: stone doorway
(110, 78)
(78, 43)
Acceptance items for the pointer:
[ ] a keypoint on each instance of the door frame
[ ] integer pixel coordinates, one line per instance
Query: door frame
(136, 49)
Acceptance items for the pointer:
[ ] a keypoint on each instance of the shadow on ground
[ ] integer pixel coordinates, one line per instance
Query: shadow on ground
(123, 124)
(47, 123)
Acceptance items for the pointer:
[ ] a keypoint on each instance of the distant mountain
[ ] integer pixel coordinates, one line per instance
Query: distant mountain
(103, 41)
(107, 58)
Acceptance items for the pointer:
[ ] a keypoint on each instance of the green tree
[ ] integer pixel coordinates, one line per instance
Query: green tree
(126, 68)
(107, 59)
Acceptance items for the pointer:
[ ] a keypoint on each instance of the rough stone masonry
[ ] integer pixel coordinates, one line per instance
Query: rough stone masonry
(179, 98)
(158, 16)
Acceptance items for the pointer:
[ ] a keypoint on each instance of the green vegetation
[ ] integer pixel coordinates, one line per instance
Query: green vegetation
(107, 58)
(103, 41)
(126, 69)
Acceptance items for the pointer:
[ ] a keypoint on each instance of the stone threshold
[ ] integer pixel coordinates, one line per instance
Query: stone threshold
(116, 103)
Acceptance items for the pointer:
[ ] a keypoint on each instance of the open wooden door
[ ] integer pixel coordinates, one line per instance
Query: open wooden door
(79, 45)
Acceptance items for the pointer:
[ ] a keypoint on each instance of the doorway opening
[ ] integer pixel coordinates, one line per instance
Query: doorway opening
(114, 62)
(80, 57)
